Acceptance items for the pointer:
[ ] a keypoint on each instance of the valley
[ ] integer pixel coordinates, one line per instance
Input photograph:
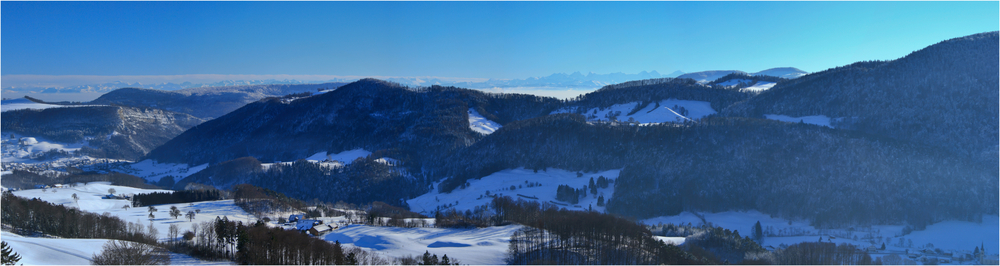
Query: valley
(712, 167)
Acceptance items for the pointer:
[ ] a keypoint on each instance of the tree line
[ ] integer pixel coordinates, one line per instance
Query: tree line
(37, 216)
(184, 196)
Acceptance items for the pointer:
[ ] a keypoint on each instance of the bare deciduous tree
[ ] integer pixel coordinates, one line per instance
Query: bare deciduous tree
(119, 252)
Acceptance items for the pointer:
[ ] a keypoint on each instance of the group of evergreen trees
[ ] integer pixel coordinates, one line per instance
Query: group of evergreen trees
(558, 236)
(183, 196)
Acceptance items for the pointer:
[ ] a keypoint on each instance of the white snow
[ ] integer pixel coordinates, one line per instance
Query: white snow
(650, 113)
(22, 103)
(480, 246)
(73, 251)
(480, 124)
(819, 120)
(734, 82)
(755, 86)
(676, 241)
(153, 171)
(21, 148)
(760, 86)
(947, 235)
(90, 200)
(346, 157)
(499, 184)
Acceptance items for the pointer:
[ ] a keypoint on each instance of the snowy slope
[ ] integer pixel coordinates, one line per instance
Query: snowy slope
(500, 182)
(73, 251)
(708, 76)
(947, 235)
(479, 246)
(90, 200)
(480, 124)
(345, 156)
(22, 103)
(651, 113)
(755, 86)
(153, 171)
(21, 148)
(330, 160)
(734, 82)
(760, 86)
(782, 72)
(819, 120)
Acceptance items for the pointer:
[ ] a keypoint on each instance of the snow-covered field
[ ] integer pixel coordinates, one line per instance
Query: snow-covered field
(22, 103)
(755, 87)
(480, 124)
(90, 200)
(668, 111)
(74, 251)
(21, 148)
(947, 235)
(499, 183)
(336, 159)
(480, 246)
(761, 86)
(154, 171)
(819, 120)
(345, 156)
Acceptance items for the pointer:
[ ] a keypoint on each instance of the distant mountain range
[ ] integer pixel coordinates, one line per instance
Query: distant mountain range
(206, 102)
(557, 80)
(781, 72)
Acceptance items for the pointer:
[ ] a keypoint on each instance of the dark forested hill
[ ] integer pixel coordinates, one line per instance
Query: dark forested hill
(209, 102)
(369, 114)
(653, 90)
(109, 131)
(945, 95)
(722, 164)
(913, 140)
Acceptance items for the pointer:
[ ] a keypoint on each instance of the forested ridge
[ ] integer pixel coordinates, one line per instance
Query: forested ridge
(109, 131)
(944, 95)
(910, 142)
(723, 164)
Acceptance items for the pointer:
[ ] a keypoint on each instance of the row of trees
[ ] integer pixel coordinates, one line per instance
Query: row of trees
(558, 236)
(184, 196)
(37, 216)
(257, 243)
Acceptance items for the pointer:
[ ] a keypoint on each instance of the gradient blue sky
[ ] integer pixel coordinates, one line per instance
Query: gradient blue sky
(468, 39)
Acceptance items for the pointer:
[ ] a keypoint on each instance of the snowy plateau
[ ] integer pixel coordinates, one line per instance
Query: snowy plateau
(515, 184)
(666, 111)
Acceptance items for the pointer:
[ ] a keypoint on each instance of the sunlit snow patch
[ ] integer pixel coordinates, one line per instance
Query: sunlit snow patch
(819, 120)
(22, 103)
(760, 86)
(22, 148)
(499, 183)
(153, 171)
(947, 235)
(734, 82)
(480, 124)
(345, 157)
(477, 246)
(661, 112)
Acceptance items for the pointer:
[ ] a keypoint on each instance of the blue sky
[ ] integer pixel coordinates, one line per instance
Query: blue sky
(468, 39)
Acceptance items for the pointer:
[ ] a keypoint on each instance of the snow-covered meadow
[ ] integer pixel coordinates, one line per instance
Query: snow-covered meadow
(22, 103)
(819, 120)
(499, 183)
(480, 124)
(946, 235)
(479, 246)
(74, 251)
(91, 200)
(661, 112)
